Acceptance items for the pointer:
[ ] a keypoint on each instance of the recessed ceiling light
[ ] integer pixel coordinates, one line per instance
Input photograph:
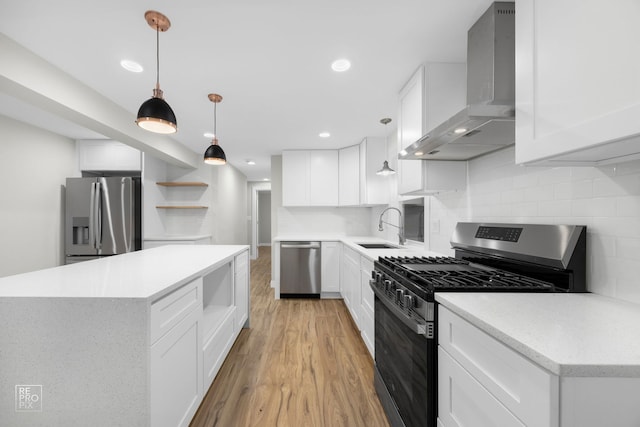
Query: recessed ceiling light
(251, 162)
(265, 179)
(418, 153)
(209, 135)
(403, 152)
(460, 130)
(324, 134)
(340, 65)
(132, 66)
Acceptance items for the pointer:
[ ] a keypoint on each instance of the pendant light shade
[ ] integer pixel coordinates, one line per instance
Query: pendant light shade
(215, 154)
(155, 114)
(386, 170)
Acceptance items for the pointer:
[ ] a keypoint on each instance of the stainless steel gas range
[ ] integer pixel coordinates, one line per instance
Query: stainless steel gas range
(488, 258)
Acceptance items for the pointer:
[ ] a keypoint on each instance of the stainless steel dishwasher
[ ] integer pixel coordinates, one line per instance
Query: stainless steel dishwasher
(299, 269)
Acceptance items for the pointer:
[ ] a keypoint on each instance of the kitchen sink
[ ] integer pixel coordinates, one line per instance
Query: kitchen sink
(377, 246)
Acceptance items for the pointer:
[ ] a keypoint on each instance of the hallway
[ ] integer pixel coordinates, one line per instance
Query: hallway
(301, 364)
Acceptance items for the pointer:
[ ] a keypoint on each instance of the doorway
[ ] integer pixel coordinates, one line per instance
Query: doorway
(260, 231)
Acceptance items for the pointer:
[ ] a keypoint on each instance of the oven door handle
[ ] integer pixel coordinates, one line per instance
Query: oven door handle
(420, 328)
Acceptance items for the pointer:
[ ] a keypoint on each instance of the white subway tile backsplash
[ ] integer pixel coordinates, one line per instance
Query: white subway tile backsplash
(539, 192)
(606, 199)
(628, 248)
(573, 190)
(555, 208)
(603, 206)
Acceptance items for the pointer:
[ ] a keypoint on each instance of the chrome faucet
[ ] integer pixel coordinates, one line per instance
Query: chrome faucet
(400, 227)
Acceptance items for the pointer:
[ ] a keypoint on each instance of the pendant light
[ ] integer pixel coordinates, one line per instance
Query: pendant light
(215, 154)
(386, 170)
(155, 114)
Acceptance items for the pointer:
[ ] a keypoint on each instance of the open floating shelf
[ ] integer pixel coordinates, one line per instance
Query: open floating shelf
(183, 184)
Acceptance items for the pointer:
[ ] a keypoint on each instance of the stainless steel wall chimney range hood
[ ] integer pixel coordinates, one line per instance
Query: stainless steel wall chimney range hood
(488, 122)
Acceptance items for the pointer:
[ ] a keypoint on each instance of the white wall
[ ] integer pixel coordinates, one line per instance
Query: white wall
(264, 218)
(228, 208)
(33, 166)
(606, 199)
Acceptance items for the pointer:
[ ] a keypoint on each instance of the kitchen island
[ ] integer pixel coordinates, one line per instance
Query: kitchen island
(129, 340)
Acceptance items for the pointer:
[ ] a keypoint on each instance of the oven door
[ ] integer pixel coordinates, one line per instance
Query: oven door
(406, 368)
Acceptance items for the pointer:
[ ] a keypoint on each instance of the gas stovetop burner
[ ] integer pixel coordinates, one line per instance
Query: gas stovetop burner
(453, 274)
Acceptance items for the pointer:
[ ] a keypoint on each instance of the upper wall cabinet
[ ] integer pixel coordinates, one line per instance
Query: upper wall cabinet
(349, 176)
(577, 88)
(434, 93)
(359, 183)
(310, 178)
(107, 155)
(374, 188)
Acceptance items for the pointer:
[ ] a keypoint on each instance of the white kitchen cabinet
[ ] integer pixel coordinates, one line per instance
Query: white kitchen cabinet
(295, 178)
(176, 367)
(367, 311)
(242, 290)
(107, 155)
(434, 93)
(350, 282)
(577, 90)
(219, 310)
(349, 176)
(330, 270)
(482, 382)
(310, 178)
(324, 178)
(360, 185)
(374, 188)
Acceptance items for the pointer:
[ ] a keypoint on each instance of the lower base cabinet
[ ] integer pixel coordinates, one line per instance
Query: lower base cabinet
(193, 329)
(355, 273)
(483, 383)
(217, 347)
(176, 374)
(367, 310)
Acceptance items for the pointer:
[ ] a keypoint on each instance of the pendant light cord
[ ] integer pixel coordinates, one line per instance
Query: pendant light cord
(157, 56)
(215, 128)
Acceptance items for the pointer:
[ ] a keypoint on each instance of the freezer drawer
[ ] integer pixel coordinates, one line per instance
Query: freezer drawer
(300, 269)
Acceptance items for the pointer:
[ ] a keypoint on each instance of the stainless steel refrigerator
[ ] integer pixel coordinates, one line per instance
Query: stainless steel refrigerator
(103, 217)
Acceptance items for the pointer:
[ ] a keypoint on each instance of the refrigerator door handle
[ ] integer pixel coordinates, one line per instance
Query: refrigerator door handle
(98, 215)
(126, 231)
(92, 216)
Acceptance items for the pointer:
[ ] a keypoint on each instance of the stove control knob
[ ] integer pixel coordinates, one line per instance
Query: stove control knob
(409, 302)
(377, 277)
(387, 285)
(399, 295)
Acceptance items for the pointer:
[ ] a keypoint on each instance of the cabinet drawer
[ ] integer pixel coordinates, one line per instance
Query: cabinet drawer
(217, 347)
(463, 401)
(523, 387)
(241, 261)
(168, 311)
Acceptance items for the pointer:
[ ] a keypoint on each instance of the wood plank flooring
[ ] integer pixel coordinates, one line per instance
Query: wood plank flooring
(301, 364)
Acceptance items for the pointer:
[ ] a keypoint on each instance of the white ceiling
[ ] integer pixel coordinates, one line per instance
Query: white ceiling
(270, 60)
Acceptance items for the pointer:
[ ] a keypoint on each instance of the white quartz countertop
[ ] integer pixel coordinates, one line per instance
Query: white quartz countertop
(169, 238)
(574, 335)
(148, 274)
(408, 250)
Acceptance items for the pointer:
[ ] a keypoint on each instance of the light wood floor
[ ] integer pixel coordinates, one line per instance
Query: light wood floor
(302, 364)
